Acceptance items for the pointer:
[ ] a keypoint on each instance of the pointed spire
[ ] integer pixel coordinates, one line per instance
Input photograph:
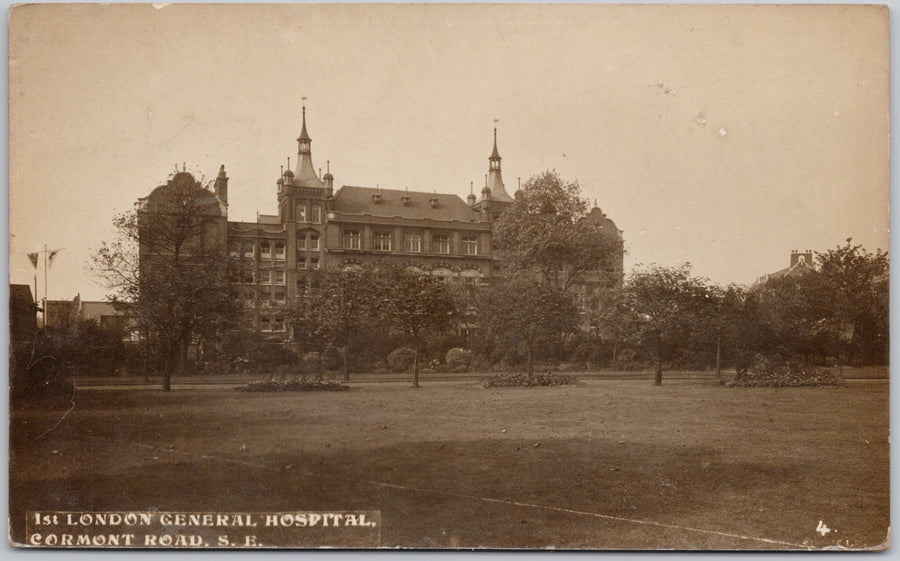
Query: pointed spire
(305, 175)
(303, 134)
(494, 184)
(495, 155)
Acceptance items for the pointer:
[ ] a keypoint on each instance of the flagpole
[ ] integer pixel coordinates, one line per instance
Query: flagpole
(46, 295)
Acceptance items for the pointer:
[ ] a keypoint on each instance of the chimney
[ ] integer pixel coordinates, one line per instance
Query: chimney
(221, 185)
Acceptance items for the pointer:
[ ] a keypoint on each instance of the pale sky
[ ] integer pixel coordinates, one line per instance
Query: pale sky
(724, 136)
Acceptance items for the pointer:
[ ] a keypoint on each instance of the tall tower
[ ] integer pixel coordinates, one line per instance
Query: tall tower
(305, 174)
(296, 189)
(494, 198)
(495, 178)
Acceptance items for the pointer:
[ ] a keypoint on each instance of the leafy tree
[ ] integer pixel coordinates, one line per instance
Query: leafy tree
(666, 308)
(167, 266)
(789, 312)
(546, 231)
(724, 326)
(521, 309)
(853, 290)
(340, 306)
(416, 304)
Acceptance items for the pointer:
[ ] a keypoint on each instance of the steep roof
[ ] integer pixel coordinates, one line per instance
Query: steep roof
(606, 224)
(359, 200)
(183, 192)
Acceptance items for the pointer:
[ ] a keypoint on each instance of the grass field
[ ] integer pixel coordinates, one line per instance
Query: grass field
(609, 464)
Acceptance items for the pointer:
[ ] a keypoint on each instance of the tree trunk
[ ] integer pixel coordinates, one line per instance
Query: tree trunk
(146, 334)
(718, 357)
(657, 380)
(167, 370)
(530, 360)
(615, 352)
(416, 367)
(346, 361)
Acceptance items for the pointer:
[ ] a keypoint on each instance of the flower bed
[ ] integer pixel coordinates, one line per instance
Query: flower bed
(294, 386)
(521, 379)
(762, 373)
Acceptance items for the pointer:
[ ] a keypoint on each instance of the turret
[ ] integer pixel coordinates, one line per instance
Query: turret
(305, 175)
(495, 179)
(329, 179)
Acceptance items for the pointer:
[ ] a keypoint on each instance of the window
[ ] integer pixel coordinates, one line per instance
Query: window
(279, 250)
(314, 242)
(265, 277)
(315, 214)
(440, 243)
(412, 242)
(301, 212)
(265, 324)
(246, 276)
(301, 242)
(265, 250)
(351, 239)
(301, 262)
(279, 277)
(314, 263)
(469, 245)
(234, 249)
(382, 241)
(278, 298)
(278, 324)
(249, 250)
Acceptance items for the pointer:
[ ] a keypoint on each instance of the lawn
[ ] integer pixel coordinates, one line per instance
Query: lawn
(608, 464)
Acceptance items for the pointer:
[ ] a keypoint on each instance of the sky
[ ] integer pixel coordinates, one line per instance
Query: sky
(723, 136)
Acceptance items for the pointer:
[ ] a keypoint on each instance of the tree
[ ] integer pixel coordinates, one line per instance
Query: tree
(853, 292)
(547, 231)
(666, 307)
(168, 266)
(339, 307)
(789, 312)
(415, 304)
(520, 309)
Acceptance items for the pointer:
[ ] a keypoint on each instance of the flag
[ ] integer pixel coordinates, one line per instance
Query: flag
(53, 254)
(34, 259)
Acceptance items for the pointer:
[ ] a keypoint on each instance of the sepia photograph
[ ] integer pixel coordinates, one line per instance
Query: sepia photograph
(599, 277)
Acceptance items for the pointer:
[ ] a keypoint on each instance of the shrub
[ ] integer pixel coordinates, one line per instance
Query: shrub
(401, 360)
(481, 364)
(295, 385)
(458, 359)
(521, 379)
(625, 360)
(331, 358)
(312, 363)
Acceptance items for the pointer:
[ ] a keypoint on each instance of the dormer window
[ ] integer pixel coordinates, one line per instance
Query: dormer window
(406, 200)
(376, 198)
(434, 202)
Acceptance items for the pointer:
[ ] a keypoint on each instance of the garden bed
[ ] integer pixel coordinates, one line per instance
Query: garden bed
(294, 386)
(522, 379)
